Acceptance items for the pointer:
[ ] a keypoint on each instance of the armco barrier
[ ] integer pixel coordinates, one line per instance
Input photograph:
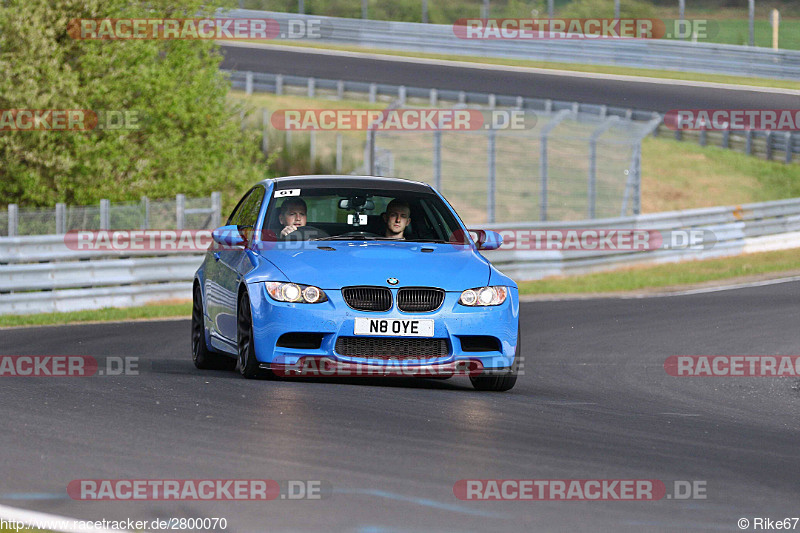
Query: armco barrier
(42, 274)
(732, 60)
(740, 229)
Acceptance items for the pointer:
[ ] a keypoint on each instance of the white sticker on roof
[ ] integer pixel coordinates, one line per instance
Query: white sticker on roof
(287, 192)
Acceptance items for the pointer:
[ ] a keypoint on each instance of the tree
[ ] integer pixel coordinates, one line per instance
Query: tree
(189, 138)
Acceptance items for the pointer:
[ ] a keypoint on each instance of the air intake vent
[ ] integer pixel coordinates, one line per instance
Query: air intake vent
(368, 298)
(419, 299)
(391, 348)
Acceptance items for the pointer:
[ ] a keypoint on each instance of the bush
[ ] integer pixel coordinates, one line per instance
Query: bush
(190, 139)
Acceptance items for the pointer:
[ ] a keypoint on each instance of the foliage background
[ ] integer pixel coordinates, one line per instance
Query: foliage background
(190, 141)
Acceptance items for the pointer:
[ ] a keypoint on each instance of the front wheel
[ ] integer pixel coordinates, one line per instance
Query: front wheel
(247, 362)
(202, 357)
(501, 381)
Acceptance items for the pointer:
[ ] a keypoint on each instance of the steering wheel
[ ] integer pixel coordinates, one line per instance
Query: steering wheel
(305, 233)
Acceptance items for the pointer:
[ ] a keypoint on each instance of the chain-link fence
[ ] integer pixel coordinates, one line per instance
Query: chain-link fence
(177, 213)
(569, 166)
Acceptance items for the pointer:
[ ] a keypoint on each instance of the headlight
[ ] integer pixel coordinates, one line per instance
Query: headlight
(483, 296)
(292, 292)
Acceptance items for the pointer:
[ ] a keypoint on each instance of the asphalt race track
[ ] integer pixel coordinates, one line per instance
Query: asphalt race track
(658, 96)
(594, 403)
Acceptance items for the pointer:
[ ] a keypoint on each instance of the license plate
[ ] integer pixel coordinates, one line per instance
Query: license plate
(396, 327)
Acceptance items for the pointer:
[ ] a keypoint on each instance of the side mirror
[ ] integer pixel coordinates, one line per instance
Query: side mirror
(229, 236)
(486, 239)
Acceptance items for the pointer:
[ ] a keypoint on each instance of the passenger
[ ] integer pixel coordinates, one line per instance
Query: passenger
(293, 215)
(397, 217)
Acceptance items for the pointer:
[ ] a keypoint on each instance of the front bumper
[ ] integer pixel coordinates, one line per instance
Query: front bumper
(455, 323)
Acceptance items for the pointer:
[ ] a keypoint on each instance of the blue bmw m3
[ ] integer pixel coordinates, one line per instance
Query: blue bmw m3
(345, 276)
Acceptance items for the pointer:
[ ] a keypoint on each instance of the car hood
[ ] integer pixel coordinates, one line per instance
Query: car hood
(337, 264)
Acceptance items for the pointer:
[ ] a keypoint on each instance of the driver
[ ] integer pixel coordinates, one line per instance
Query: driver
(397, 217)
(293, 215)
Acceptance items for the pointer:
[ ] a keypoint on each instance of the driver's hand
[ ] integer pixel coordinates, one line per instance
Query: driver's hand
(287, 230)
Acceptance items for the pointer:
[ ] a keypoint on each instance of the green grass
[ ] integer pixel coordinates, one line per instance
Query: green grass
(684, 175)
(670, 275)
(574, 67)
(108, 314)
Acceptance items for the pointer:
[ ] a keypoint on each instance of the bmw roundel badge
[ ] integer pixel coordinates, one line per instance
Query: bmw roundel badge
(393, 281)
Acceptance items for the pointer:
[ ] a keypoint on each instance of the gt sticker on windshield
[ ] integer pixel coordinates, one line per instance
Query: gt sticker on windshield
(394, 327)
(287, 192)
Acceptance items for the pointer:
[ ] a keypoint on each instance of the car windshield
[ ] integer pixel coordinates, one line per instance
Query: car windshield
(360, 214)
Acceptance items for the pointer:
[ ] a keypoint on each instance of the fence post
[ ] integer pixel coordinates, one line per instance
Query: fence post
(371, 152)
(788, 147)
(491, 182)
(748, 144)
(520, 102)
(437, 160)
(462, 97)
(61, 218)
(434, 98)
(768, 146)
(279, 84)
(265, 131)
(340, 89)
(548, 106)
(216, 209)
(726, 138)
(312, 87)
(248, 84)
(312, 146)
(373, 92)
(13, 219)
(338, 153)
(401, 95)
(146, 212)
(104, 218)
(180, 211)
(492, 101)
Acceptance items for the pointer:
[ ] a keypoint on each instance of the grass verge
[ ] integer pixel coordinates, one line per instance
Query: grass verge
(673, 275)
(108, 314)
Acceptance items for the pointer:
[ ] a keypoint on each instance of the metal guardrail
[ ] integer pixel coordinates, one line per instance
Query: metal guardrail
(770, 145)
(76, 283)
(740, 229)
(732, 60)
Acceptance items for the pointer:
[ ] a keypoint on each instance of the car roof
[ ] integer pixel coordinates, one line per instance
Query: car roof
(322, 182)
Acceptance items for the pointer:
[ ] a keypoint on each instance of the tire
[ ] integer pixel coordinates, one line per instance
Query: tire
(500, 381)
(202, 357)
(247, 362)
